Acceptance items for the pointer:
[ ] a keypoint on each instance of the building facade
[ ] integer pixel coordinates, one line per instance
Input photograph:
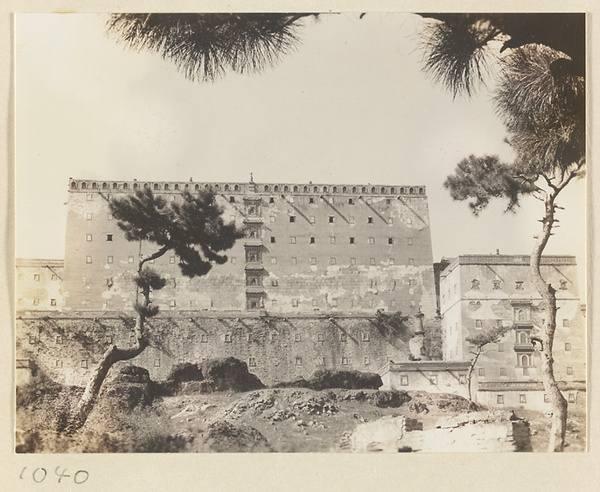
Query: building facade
(308, 248)
(480, 292)
(39, 284)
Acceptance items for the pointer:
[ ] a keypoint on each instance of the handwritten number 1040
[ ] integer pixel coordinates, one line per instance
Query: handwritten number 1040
(40, 474)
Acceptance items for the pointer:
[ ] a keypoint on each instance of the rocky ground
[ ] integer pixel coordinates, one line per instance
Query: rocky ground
(202, 409)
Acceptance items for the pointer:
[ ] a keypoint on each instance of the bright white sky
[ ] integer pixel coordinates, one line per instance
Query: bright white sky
(350, 105)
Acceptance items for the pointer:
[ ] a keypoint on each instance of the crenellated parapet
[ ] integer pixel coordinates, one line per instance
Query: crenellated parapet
(244, 188)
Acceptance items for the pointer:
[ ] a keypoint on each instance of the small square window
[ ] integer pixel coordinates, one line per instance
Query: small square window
(312, 219)
(344, 361)
(36, 277)
(351, 220)
(109, 237)
(231, 199)
(311, 200)
(315, 302)
(372, 261)
(343, 337)
(496, 284)
(54, 277)
(366, 337)
(351, 240)
(319, 337)
(274, 283)
(88, 259)
(88, 216)
(53, 302)
(298, 361)
(481, 372)
(567, 347)
(272, 218)
(500, 399)
(84, 364)
(572, 397)
(273, 261)
(312, 240)
(130, 259)
(156, 362)
(109, 259)
(518, 285)
(566, 322)
(172, 303)
(433, 379)
(350, 201)
(171, 260)
(332, 260)
(293, 240)
(320, 361)
(271, 199)
(478, 323)
(331, 219)
(58, 363)
(313, 261)
(272, 239)
(390, 240)
(403, 380)
(546, 398)
(294, 302)
(569, 371)
(409, 221)
(251, 362)
(522, 398)
(294, 260)
(292, 218)
(109, 217)
(31, 340)
(203, 338)
(353, 261)
(227, 338)
(371, 240)
(297, 337)
(369, 220)
(88, 237)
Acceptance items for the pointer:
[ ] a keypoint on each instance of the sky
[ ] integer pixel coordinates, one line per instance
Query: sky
(350, 105)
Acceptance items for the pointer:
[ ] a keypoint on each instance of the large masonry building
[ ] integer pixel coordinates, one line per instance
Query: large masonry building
(308, 248)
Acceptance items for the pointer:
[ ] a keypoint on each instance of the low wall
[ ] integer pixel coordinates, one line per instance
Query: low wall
(276, 349)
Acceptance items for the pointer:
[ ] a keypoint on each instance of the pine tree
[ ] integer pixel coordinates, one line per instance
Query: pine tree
(194, 230)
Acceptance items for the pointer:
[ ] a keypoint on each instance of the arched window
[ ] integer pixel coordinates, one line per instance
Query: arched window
(206, 186)
(316, 189)
(354, 189)
(364, 189)
(176, 186)
(196, 187)
(306, 189)
(525, 361)
(523, 338)
(115, 186)
(411, 191)
(373, 190)
(104, 186)
(156, 186)
(392, 190)
(276, 188)
(383, 190)
(421, 191)
(521, 315)
(324, 189)
(94, 186)
(225, 189)
(236, 188)
(334, 189)
(186, 186)
(73, 185)
(253, 281)
(125, 186)
(166, 186)
(286, 189)
(402, 190)
(135, 186)
(344, 190)
(295, 189)
(217, 187)
(266, 187)
(145, 186)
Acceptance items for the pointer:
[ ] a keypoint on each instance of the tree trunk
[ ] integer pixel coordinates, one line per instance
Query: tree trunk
(558, 403)
(470, 373)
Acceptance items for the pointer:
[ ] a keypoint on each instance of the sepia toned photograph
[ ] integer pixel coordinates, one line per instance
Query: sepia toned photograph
(334, 232)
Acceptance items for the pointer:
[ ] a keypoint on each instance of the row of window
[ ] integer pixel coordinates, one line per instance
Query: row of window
(332, 240)
(519, 284)
(520, 317)
(571, 398)
(384, 190)
(37, 277)
(37, 300)
(313, 260)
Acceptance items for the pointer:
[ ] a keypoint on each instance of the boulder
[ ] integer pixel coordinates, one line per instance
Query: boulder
(326, 379)
(229, 374)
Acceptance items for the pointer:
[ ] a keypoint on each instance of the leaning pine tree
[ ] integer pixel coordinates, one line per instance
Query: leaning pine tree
(194, 230)
(540, 95)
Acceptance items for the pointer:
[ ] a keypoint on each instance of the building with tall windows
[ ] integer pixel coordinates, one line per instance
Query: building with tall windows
(480, 292)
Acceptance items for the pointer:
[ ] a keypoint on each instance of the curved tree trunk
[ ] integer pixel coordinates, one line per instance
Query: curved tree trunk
(470, 373)
(558, 403)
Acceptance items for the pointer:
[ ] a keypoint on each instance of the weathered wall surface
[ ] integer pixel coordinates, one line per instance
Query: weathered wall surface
(309, 248)
(67, 347)
(39, 284)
